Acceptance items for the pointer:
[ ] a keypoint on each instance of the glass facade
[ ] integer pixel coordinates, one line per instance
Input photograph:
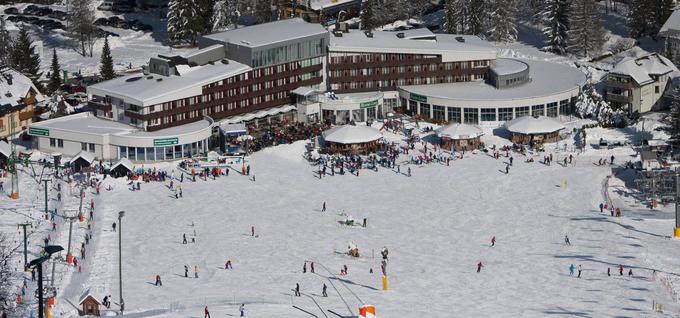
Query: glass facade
(538, 110)
(488, 114)
(454, 114)
(438, 113)
(287, 53)
(162, 153)
(522, 111)
(551, 110)
(505, 114)
(471, 115)
(425, 110)
(564, 107)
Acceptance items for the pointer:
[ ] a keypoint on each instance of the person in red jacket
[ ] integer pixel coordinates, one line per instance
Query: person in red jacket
(207, 313)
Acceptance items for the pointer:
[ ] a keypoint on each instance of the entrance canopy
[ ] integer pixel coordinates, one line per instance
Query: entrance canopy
(350, 134)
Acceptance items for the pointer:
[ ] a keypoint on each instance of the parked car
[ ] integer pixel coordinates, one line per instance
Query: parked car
(101, 21)
(105, 6)
(59, 15)
(80, 97)
(11, 10)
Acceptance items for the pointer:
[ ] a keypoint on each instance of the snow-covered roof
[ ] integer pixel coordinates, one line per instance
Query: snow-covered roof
(459, 131)
(87, 156)
(544, 82)
(5, 149)
(451, 47)
(656, 142)
(351, 134)
(303, 91)
(508, 66)
(152, 89)
(87, 293)
(123, 162)
(12, 94)
(327, 4)
(268, 33)
(533, 125)
(234, 129)
(672, 24)
(641, 68)
(259, 114)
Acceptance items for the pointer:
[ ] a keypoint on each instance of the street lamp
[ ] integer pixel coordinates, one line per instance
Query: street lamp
(120, 261)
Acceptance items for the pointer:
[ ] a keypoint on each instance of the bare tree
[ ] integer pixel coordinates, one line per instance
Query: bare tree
(81, 26)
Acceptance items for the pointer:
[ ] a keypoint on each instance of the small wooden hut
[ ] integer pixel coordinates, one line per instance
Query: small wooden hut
(534, 130)
(460, 137)
(351, 139)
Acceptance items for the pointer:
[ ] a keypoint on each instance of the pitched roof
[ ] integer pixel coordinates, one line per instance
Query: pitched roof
(533, 125)
(123, 162)
(642, 67)
(87, 156)
(672, 24)
(350, 134)
(459, 131)
(12, 94)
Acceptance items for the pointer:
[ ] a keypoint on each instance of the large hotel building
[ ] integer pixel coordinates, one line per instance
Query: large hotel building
(297, 71)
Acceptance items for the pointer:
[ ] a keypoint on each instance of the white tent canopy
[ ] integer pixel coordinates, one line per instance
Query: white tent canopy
(87, 156)
(350, 134)
(124, 162)
(529, 125)
(5, 149)
(459, 131)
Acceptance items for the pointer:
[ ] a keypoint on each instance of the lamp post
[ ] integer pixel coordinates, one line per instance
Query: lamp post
(120, 261)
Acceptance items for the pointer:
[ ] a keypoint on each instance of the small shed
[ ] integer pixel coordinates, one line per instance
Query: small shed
(82, 160)
(534, 130)
(121, 168)
(460, 137)
(5, 151)
(351, 139)
(90, 305)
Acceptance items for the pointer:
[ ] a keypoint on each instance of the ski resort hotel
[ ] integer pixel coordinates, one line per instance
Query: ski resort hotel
(291, 70)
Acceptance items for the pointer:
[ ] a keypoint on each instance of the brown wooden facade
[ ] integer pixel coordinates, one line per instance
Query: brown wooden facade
(21, 115)
(461, 144)
(247, 92)
(352, 73)
(535, 138)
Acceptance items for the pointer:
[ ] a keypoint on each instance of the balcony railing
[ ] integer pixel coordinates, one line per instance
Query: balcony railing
(619, 98)
(105, 107)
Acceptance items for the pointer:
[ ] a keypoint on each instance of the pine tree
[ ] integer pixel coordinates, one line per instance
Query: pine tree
(674, 128)
(556, 20)
(504, 21)
(181, 15)
(202, 20)
(106, 62)
(263, 11)
(639, 18)
(5, 43)
(24, 59)
(586, 34)
(477, 16)
(368, 15)
(225, 14)
(455, 16)
(664, 9)
(55, 73)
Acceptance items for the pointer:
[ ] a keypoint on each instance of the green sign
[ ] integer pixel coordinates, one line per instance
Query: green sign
(418, 98)
(368, 104)
(38, 131)
(165, 142)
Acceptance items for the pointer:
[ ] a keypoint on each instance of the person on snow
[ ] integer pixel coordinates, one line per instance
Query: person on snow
(323, 207)
(601, 207)
(242, 308)
(571, 270)
(304, 268)
(105, 302)
(323, 291)
(207, 313)
(566, 240)
(408, 172)
(579, 271)
(609, 271)
(186, 271)
(612, 160)
(479, 267)
(384, 252)
(113, 226)
(252, 231)
(511, 159)
(620, 270)
(311, 267)
(297, 289)
(507, 169)
(227, 265)
(158, 281)
(196, 271)
(493, 241)
(184, 238)
(630, 272)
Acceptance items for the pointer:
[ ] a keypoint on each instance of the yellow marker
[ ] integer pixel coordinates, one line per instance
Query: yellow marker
(677, 232)
(384, 282)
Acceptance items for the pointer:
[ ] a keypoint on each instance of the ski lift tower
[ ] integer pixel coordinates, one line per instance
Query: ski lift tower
(13, 159)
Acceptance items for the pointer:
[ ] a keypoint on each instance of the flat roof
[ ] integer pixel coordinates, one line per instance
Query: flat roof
(547, 78)
(508, 66)
(472, 47)
(87, 123)
(269, 33)
(145, 90)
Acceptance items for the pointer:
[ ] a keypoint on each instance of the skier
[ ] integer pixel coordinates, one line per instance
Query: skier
(609, 271)
(227, 265)
(207, 313)
(158, 281)
(620, 270)
(579, 271)
(311, 267)
(479, 267)
(409, 171)
(507, 169)
(601, 207)
(304, 267)
(105, 302)
(196, 271)
(571, 270)
(113, 226)
(186, 271)
(323, 291)
(241, 308)
(297, 289)
(323, 207)
(511, 159)
(630, 272)
(252, 231)
(612, 161)
(566, 240)
(493, 241)
(184, 238)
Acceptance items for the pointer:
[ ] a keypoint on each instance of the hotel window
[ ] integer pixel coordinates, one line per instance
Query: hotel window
(471, 115)
(564, 107)
(425, 110)
(122, 152)
(522, 111)
(552, 110)
(505, 114)
(488, 114)
(83, 146)
(454, 114)
(538, 110)
(60, 143)
(91, 146)
(412, 105)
